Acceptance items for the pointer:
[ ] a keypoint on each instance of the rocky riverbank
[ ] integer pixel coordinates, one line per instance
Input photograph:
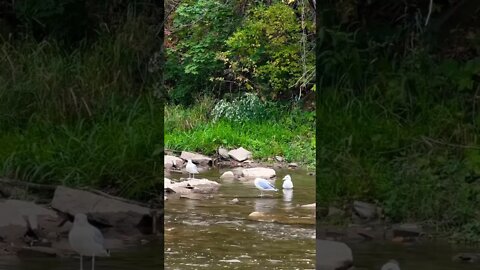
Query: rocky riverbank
(233, 165)
(40, 226)
(362, 222)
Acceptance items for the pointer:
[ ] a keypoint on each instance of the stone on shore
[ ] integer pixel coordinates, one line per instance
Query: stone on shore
(172, 161)
(199, 159)
(365, 210)
(240, 154)
(222, 152)
(110, 211)
(17, 216)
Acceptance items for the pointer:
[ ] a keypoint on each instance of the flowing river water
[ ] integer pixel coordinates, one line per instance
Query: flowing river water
(144, 257)
(427, 255)
(217, 234)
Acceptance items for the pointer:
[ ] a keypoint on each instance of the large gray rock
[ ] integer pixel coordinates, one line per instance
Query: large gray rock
(17, 216)
(240, 154)
(252, 173)
(109, 210)
(333, 255)
(196, 158)
(172, 161)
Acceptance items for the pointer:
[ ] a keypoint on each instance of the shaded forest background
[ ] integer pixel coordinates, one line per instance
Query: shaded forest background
(398, 87)
(78, 81)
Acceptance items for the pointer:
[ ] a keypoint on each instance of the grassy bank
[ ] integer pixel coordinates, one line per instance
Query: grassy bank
(283, 131)
(414, 152)
(114, 151)
(83, 115)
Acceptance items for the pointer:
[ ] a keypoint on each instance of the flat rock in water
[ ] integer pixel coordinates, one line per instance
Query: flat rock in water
(252, 173)
(196, 158)
(227, 175)
(167, 182)
(261, 216)
(309, 206)
(365, 210)
(240, 154)
(172, 161)
(106, 210)
(194, 186)
(333, 255)
(407, 230)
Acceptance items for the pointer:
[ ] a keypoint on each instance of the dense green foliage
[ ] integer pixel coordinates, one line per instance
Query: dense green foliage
(76, 100)
(220, 46)
(399, 122)
(237, 73)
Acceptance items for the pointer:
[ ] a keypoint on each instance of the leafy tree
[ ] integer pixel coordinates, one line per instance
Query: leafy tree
(265, 53)
(200, 29)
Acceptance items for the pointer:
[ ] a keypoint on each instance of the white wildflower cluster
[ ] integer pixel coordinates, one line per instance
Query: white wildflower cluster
(246, 107)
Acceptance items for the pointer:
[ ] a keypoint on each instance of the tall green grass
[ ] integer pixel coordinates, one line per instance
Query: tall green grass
(291, 134)
(408, 141)
(83, 116)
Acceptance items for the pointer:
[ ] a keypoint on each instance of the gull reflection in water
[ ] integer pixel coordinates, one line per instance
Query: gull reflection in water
(264, 205)
(287, 195)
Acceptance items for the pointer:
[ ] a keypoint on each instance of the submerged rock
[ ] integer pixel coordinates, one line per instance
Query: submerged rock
(333, 255)
(466, 257)
(240, 154)
(261, 172)
(196, 158)
(391, 265)
(309, 206)
(227, 175)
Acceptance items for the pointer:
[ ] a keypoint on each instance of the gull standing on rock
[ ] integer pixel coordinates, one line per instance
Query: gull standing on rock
(391, 265)
(264, 185)
(287, 182)
(191, 168)
(86, 240)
